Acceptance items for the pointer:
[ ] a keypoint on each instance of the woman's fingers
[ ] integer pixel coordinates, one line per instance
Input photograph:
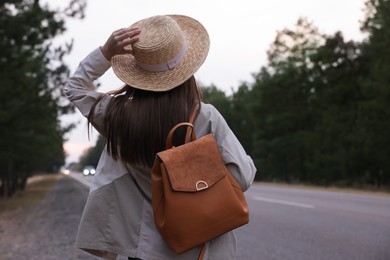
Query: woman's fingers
(126, 36)
(118, 40)
(127, 33)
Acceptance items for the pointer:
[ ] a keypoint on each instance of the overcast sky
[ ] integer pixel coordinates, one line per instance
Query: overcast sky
(240, 33)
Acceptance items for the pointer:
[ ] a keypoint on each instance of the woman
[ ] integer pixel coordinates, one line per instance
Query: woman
(156, 59)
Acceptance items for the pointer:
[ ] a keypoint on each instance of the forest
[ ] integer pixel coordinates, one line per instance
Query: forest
(317, 113)
(32, 74)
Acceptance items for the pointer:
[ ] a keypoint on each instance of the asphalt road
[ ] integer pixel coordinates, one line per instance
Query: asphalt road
(299, 224)
(287, 223)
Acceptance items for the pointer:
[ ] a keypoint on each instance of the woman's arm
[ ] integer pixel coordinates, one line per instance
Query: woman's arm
(80, 89)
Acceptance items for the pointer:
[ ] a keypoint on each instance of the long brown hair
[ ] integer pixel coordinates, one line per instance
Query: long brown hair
(137, 122)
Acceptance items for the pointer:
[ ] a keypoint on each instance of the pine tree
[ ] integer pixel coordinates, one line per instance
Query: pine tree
(31, 75)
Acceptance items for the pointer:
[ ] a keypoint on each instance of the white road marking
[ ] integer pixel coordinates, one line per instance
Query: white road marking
(284, 202)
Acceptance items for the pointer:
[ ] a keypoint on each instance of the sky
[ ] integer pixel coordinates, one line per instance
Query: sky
(240, 33)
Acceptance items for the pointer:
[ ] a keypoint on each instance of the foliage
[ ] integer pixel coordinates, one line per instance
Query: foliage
(283, 91)
(31, 75)
(319, 112)
(374, 108)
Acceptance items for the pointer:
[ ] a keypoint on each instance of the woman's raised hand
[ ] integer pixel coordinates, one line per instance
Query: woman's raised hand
(118, 40)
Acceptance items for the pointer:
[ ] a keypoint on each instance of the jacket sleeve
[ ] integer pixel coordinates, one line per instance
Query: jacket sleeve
(240, 164)
(80, 88)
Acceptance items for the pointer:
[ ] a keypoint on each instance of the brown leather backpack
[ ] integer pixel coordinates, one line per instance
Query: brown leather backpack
(194, 197)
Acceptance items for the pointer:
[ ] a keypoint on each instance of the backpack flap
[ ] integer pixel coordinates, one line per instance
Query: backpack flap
(193, 166)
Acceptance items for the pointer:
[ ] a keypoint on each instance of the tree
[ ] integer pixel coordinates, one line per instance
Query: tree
(32, 73)
(323, 105)
(374, 109)
(241, 117)
(336, 92)
(282, 92)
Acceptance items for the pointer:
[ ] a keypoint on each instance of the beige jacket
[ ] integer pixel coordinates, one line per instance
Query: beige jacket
(118, 219)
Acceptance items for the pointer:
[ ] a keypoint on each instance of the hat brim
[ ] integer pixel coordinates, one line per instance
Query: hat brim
(125, 68)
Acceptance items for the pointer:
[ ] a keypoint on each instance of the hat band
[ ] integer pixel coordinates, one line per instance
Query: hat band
(166, 65)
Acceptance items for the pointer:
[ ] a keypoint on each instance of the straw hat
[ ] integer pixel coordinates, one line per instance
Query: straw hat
(171, 48)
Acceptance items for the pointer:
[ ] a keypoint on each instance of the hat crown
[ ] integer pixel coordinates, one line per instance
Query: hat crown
(171, 48)
(160, 41)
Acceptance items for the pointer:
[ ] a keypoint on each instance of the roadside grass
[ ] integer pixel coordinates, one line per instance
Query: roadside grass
(36, 190)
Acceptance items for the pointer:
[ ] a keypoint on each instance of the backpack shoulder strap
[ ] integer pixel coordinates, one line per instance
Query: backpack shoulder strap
(194, 113)
(191, 120)
(190, 134)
